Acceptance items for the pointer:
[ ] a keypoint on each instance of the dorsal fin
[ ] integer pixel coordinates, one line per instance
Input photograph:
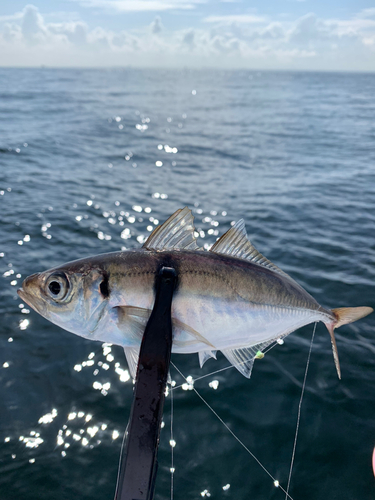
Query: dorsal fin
(176, 232)
(235, 243)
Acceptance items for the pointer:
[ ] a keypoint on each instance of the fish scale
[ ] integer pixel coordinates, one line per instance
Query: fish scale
(230, 298)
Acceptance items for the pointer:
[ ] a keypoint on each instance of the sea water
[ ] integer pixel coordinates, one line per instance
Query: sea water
(90, 162)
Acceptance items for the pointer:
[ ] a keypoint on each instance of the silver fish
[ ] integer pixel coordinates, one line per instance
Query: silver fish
(230, 298)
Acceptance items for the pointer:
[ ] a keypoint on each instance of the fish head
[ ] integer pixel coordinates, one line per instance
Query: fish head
(72, 297)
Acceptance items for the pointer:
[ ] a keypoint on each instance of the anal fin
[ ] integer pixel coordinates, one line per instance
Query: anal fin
(205, 355)
(243, 359)
(240, 359)
(132, 354)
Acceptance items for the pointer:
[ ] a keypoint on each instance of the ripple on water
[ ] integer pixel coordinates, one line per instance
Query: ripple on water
(105, 156)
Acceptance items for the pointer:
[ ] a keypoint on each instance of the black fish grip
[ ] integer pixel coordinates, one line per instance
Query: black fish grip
(138, 461)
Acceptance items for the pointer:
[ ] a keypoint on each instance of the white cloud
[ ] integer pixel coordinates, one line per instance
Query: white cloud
(188, 38)
(75, 32)
(309, 29)
(156, 25)
(140, 5)
(309, 42)
(32, 25)
(239, 19)
(12, 17)
(366, 13)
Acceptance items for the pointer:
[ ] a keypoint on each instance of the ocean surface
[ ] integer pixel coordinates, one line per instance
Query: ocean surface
(90, 162)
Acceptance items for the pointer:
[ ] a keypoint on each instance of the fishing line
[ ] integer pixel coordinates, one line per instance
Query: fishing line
(210, 374)
(226, 368)
(172, 445)
(276, 482)
(299, 412)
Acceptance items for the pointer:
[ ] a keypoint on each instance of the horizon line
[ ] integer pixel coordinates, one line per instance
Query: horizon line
(190, 68)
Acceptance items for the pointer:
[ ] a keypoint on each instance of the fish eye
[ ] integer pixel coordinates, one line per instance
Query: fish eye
(57, 286)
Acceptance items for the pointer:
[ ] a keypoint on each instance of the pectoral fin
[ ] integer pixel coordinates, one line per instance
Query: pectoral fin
(133, 320)
(195, 336)
(136, 312)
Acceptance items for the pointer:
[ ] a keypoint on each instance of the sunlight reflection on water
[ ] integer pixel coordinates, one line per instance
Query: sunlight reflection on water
(100, 176)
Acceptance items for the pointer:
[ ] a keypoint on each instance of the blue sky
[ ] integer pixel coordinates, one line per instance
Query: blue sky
(275, 34)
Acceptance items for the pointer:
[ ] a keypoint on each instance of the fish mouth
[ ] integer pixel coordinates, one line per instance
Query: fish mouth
(26, 292)
(22, 294)
(26, 297)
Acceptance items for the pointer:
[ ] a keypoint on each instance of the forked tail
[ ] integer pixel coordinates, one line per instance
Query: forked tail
(344, 315)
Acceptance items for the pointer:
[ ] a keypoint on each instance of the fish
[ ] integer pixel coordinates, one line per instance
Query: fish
(230, 299)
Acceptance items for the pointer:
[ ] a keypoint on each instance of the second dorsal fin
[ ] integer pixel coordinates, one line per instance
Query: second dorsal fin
(235, 243)
(176, 232)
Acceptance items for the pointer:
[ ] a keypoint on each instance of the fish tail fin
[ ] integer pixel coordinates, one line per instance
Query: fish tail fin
(344, 315)
(330, 328)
